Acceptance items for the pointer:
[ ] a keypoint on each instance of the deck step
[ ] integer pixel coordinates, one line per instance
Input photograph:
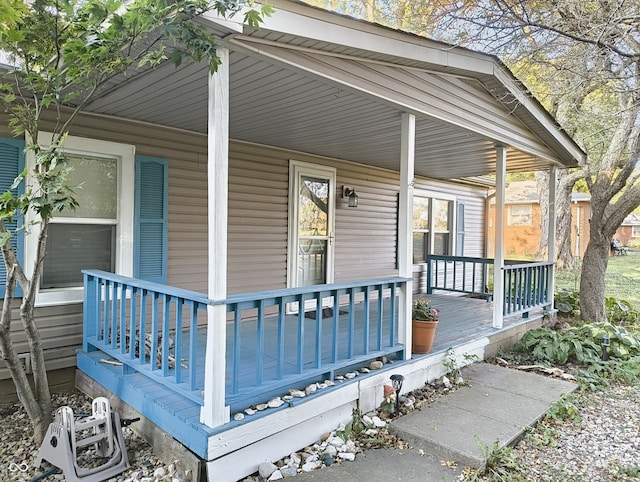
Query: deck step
(499, 405)
(177, 416)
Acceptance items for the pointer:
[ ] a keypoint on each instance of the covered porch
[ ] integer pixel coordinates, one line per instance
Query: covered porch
(147, 343)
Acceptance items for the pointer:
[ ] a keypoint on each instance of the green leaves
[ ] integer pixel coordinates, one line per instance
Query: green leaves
(582, 344)
(65, 50)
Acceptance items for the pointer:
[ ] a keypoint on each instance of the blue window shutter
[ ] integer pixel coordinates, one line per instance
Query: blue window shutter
(460, 230)
(11, 164)
(151, 219)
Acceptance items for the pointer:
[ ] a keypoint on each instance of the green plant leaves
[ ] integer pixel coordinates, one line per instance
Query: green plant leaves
(581, 344)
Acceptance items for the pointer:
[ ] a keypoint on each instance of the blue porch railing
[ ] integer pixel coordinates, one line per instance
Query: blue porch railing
(160, 331)
(526, 285)
(147, 328)
(459, 274)
(276, 345)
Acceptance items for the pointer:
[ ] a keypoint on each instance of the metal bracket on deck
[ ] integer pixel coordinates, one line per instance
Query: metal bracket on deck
(67, 438)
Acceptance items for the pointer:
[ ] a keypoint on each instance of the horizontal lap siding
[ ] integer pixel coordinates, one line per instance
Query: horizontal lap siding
(257, 233)
(365, 237)
(61, 331)
(187, 155)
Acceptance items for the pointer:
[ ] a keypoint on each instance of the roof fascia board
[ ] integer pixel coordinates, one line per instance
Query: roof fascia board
(231, 24)
(297, 19)
(541, 115)
(312, 23)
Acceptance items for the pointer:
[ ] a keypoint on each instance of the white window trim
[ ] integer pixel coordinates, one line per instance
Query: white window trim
(125, 155)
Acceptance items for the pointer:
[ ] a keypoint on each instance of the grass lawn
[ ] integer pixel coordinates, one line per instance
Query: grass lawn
(622, 280)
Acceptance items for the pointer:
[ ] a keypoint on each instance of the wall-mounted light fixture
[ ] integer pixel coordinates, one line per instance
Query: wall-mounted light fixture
(350, 193)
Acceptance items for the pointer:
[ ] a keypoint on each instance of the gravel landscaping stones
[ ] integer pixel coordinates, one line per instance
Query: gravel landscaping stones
(17, 447)
(603, 445)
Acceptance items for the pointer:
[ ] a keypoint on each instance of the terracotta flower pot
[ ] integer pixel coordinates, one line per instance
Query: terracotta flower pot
(422, 336)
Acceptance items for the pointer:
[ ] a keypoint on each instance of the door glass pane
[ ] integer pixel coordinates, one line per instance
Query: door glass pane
(312, 262)
(313, 207)
(74, 247)
(95, 181)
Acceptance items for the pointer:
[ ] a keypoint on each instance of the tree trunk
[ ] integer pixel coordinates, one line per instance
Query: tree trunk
(542, 186)
(562, 236)
(592, 279)
(564, 256)
(38, 408)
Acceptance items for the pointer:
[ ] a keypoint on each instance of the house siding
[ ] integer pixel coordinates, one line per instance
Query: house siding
(365, 237)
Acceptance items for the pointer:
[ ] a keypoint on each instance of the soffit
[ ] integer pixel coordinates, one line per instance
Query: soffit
(283, 97)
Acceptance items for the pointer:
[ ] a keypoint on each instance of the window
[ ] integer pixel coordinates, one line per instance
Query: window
(460, 230)
(519, 215)
(84, 238)
(432, 227)
(99, 233)
(442, 226)
(635, 231)
(420, 229)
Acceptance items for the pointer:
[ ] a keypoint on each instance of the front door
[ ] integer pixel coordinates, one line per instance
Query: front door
(311, 227)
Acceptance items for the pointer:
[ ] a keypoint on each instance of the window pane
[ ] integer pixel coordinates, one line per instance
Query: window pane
(420, 243)
(95, 181)
(441, 215)
(420, 213)
(441, 243)
(314, 202)
(73, 247)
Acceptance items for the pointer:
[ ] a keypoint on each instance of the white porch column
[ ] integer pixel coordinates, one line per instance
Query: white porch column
(498, 263)
(214, 412)
(551, 241)
(405, 226)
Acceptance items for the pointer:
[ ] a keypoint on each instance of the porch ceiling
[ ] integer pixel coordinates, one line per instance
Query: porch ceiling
(337, 101)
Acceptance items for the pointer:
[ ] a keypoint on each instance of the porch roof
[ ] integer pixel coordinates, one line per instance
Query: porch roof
(318, 82)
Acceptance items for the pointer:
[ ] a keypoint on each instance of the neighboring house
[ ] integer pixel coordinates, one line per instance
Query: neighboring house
(629, 231)
(221, 188)
(522, 221)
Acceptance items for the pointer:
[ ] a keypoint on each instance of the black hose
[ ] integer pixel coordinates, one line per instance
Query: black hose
(51, 471)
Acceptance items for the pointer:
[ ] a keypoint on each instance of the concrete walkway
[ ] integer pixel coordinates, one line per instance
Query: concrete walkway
(499, 405)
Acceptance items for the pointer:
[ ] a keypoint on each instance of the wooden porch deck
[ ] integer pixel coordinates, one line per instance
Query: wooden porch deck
(462, 320)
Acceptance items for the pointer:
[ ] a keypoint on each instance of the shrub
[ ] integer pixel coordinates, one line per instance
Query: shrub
(567, 302)
(581, 344)
(621, 312)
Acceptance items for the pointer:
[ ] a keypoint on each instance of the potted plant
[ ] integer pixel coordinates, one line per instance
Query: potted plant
(424, 320)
